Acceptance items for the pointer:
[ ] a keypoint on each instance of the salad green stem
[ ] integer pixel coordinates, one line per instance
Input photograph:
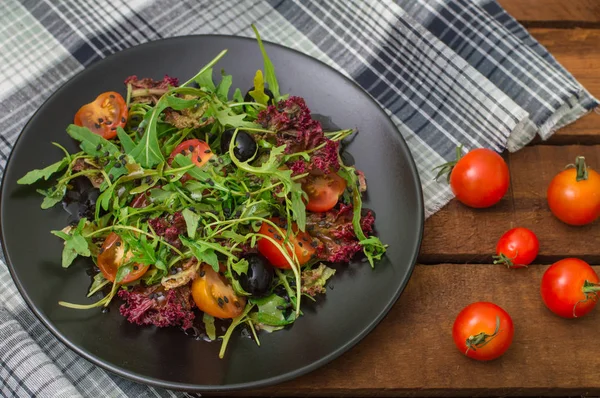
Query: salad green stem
(129, 228)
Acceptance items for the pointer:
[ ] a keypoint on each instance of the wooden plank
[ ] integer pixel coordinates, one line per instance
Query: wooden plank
(411, 353)
(460, 234)
(585, 131)
(553, 10)
(578, 51)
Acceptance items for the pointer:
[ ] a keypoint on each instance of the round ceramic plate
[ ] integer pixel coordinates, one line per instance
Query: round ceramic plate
(358, 297)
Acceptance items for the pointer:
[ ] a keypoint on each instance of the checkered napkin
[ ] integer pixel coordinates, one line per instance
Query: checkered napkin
(447, 72)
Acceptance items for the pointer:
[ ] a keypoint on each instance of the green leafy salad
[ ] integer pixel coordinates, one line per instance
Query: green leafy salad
(198, 205)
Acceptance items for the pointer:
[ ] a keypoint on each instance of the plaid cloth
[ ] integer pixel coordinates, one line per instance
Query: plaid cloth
(446, 71)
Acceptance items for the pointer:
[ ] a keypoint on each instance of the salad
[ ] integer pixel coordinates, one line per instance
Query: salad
(196, 205)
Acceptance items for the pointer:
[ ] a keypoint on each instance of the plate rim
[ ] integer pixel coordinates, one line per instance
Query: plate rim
(152, 381)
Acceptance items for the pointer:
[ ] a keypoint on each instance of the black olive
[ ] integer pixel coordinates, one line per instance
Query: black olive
(259, 276)
(245, 148)
(80, 199)
(248, 97)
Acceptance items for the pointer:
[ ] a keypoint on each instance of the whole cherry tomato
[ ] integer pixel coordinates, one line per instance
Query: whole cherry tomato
(517, 248)
(574, 194)
(479, 179)
(483, 331)
(569, 288)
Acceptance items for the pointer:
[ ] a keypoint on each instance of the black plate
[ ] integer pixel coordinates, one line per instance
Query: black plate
(358, 300)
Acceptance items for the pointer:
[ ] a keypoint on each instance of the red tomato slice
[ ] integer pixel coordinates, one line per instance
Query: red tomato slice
(323, 191)
(198, 149)
(111, 257)
(102, 116)
(301, 242)
(213, 294)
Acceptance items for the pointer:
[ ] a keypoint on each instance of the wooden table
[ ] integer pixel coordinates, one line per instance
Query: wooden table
(411, 352)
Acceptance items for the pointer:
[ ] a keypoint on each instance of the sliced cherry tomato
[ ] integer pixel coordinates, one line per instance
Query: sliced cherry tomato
(213, 294)
(479, 179)
(574, 194)
(198, 149)
(111, 258)
(102, 116)
(301, 241)
(569, 288)
(517, 248)
(483, 331)
(323, 191)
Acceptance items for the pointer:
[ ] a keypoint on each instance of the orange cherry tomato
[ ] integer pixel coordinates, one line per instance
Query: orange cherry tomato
(574, 194)
(483, 331)
(213, 294)
(300, 240)
(111, 258)
(323, 191)
(102, 116)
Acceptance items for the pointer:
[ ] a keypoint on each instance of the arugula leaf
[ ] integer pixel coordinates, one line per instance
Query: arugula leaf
(269, 68)
(222, 90)
(153, 275)
(75, 244)
(373, 248)
(52, 195)
(205, 81)
(147, 152)
(271, 311)
(298, 205)
(125, 139)
(92, 144)
(99, 282)
(143, 251)
(209, 326)
(227, 117)
(259, 89)
(237, 95)
(203, 251)
(191, 222)
(261, 208)
(241, 266)
(123, 271)
(45, 173)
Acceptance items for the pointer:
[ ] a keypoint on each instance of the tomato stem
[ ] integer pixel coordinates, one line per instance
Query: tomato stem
(582, 172)
(446, 168)
(504, 259)
(589, 290)
(482, 339)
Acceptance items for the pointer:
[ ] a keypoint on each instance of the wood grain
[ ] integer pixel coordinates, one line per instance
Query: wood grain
(459, 234)
(411, 352)
(553, 10)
